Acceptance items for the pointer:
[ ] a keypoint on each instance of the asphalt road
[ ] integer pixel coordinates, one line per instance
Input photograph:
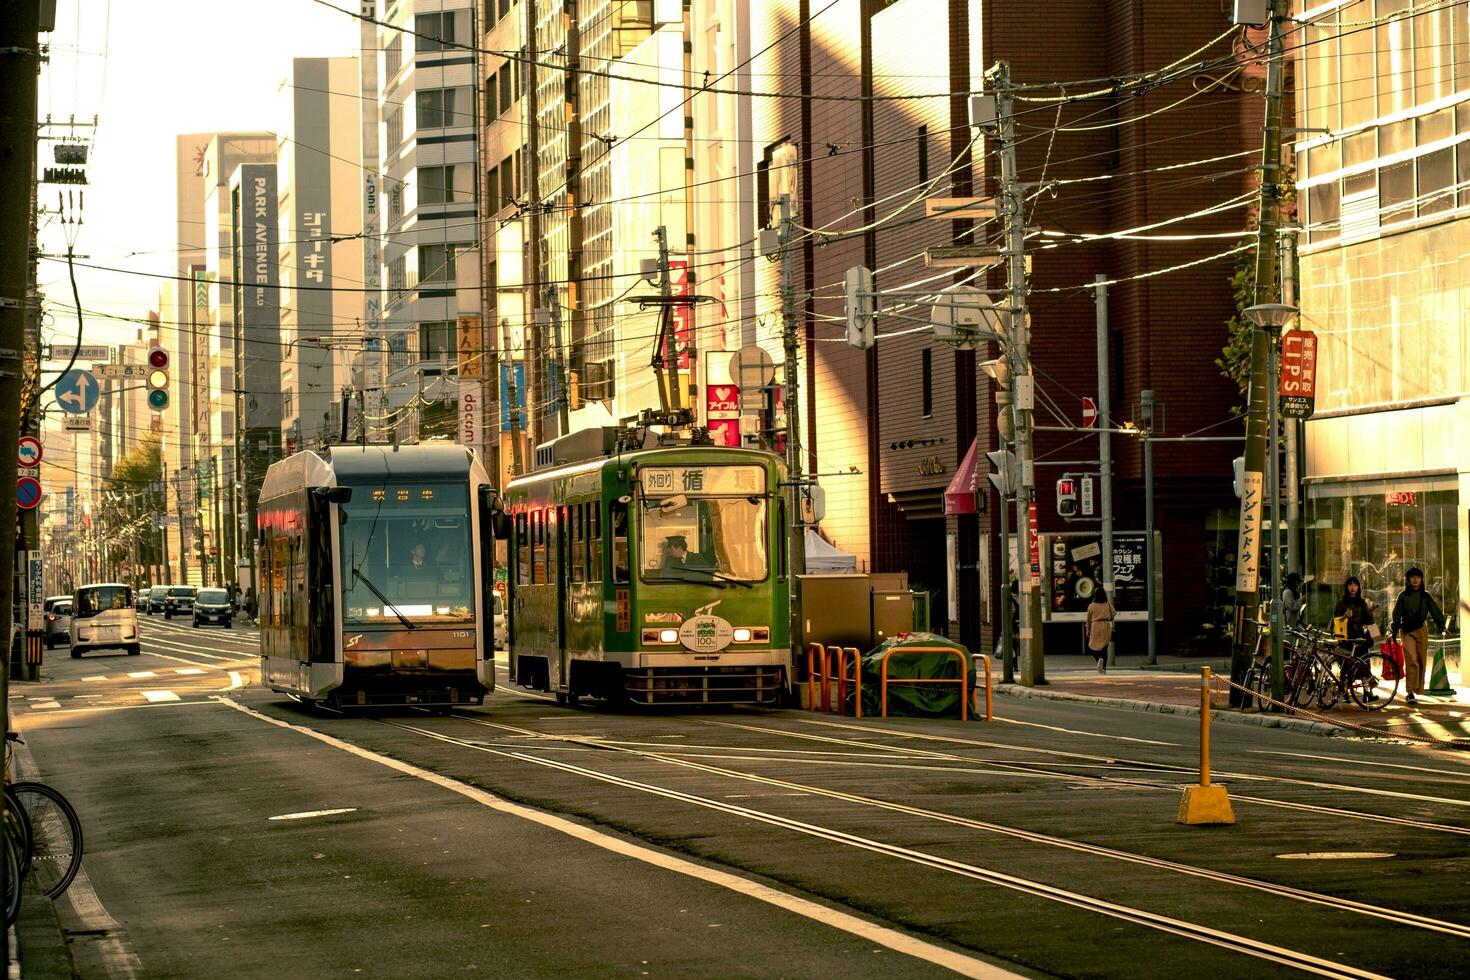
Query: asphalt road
(525, 839)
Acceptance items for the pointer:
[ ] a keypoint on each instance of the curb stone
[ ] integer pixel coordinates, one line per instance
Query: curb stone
(1158, 707)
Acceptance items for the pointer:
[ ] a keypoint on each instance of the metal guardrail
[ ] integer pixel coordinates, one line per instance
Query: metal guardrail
(819, 671)
(826, 666)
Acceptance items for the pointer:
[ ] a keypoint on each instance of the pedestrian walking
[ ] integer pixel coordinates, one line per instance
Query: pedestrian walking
(1412, 613)
(1358, 617)
(250, 602)
(1292, 602)
(1099, 627)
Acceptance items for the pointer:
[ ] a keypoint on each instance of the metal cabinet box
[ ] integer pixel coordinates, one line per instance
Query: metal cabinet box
(836, 610)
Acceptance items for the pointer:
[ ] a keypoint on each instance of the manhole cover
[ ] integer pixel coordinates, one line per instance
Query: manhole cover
(1336, 856)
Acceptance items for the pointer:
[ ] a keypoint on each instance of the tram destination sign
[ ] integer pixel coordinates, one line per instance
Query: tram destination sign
(708, 481)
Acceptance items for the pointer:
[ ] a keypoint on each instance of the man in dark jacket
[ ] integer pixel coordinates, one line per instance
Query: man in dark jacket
(1411, 615)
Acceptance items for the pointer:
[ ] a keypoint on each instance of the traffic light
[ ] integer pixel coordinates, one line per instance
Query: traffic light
(1067, 497)
(157, 379)
(1004, 477)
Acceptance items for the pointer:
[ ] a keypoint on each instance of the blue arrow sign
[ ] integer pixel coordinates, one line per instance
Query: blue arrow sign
(77, 392)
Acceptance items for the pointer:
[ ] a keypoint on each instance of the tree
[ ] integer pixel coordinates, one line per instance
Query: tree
(132, 500)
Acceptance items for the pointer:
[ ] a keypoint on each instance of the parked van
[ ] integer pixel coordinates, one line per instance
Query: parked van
(103, 616)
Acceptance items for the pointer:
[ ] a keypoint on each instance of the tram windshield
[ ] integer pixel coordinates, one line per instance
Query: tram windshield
(407, 552)
(703, 524)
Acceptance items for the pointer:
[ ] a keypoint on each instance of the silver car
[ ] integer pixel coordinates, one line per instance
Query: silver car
(58, 621)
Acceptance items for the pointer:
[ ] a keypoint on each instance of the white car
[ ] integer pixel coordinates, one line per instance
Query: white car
(103, 617)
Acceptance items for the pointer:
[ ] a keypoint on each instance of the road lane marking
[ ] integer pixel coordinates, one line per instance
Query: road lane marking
(40, 705)
(156, 696)
(142, 673)
(96, 677)
(237, 680)
(188, 670)
(871, 932)
(312, 814)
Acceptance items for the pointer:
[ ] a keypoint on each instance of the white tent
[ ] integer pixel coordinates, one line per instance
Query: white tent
(824, 557)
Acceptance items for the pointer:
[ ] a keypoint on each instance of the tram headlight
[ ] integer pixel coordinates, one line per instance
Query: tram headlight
(668, 636)
(742, 634)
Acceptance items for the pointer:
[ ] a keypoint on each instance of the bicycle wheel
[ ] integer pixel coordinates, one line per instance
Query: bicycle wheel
(1329, 684)
(1369, 687)
(18, 832)
(12, 883)
(56, 838)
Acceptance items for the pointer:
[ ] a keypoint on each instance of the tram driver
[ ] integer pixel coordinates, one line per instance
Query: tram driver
(677, 557)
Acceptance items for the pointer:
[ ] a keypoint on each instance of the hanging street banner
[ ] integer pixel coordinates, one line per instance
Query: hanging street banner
(1298, 388)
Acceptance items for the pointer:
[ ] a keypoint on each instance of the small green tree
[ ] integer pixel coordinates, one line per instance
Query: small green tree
(1235, 358)
(131, 503)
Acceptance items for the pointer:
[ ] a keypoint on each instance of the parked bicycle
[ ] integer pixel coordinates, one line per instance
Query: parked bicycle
(43, 838)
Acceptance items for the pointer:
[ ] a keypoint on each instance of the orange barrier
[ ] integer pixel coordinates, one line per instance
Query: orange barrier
(975, 658)
(884, 679)
(819, 671)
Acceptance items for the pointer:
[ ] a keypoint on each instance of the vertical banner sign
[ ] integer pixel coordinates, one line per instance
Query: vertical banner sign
(1298, 388)
(470, 353)
(471, 412)
(1248, 561)
(722, 414)
(1035, 549)
(683, 313)
(35, 618)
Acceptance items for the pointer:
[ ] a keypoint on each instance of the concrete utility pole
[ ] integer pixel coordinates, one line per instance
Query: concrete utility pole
(535, 383)
(1105, 440)
(1248, 559)
(512, 402)
(665, 356)
(1023, 387)
(19, 63)
(796, 541)
(563, 395)
(1146, 408)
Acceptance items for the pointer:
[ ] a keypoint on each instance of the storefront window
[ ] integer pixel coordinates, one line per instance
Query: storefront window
(1378, 530)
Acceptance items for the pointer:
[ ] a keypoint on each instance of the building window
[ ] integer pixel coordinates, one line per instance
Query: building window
(504, 7)
(435, 31)
(491, 15)
(435, 108)
(487, 100)
(507, 180)
(397, 274)
(506, 79)
(395, 130)
(926, 380)
(492, 190)
(435, 338)
(436, 262)
(436, 185)
(393, 57)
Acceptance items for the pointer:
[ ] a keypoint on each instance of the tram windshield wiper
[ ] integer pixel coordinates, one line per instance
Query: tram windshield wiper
(703, 576)
(357, 576)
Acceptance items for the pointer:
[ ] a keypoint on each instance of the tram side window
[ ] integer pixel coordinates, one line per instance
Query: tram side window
(618, 514)
(553, 542)
(781, 538)
(538, 548)
(577, 540)
(523, 550)
(594, 542)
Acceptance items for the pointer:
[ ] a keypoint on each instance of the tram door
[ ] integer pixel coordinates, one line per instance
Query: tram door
(563, 593)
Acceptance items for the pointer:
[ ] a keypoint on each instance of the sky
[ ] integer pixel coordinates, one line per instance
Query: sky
(150, 70)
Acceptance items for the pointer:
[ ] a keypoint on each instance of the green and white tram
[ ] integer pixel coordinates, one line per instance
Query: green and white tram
(372, 582)
(657, 576)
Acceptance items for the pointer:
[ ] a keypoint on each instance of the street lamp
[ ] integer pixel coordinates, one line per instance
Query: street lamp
(1271, 317)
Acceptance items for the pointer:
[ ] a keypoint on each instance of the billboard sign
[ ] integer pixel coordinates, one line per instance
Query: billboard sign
(1298, 387)
(1074, 573)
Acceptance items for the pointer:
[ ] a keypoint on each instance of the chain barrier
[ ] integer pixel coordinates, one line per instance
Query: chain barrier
(1258, 696)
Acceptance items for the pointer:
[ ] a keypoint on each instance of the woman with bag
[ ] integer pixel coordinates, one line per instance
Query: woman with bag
(1099, 627)
(1352, 608)
(1411, 615)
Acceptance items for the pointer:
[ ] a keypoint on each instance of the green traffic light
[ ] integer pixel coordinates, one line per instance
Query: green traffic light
(158, 399)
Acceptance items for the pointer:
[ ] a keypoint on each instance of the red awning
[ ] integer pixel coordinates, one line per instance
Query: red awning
(959, 497)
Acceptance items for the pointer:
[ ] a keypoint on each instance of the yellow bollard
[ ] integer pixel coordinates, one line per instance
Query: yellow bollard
(1205, 804)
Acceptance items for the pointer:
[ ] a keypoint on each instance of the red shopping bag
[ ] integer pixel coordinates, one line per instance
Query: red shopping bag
(1393, 660)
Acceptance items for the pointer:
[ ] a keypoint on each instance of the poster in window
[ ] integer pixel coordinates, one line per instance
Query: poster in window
(1074, 573)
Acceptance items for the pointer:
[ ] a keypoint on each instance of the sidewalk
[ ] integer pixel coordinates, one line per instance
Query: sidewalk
(36, 946)
(1172, 687)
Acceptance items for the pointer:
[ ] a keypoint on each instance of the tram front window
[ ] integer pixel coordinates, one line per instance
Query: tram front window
(407, 554)
(717, 537)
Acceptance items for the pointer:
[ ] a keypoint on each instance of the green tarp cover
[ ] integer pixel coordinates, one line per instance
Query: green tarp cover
(916, 700)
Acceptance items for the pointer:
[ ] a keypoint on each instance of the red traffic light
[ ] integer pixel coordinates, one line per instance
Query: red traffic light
(157, 357)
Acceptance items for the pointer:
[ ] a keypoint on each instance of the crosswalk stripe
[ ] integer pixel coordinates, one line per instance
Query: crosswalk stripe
(188, 670)
(96, 677)
(142, 673)
(156, 696)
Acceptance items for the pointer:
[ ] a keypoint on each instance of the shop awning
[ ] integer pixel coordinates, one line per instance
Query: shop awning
(959, 496)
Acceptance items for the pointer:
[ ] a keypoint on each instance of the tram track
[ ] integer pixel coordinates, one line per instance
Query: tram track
(1245, 945)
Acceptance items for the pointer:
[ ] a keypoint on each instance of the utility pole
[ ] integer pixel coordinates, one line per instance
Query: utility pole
(214, 492)
(563, 394)
(19, 64)
(512, 402)
(1293, 426)
(665, 357)
(1248, 560)
(1023, 387)
(1105, 440)
(796, 542)
(1147, 407)
(535, 383)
